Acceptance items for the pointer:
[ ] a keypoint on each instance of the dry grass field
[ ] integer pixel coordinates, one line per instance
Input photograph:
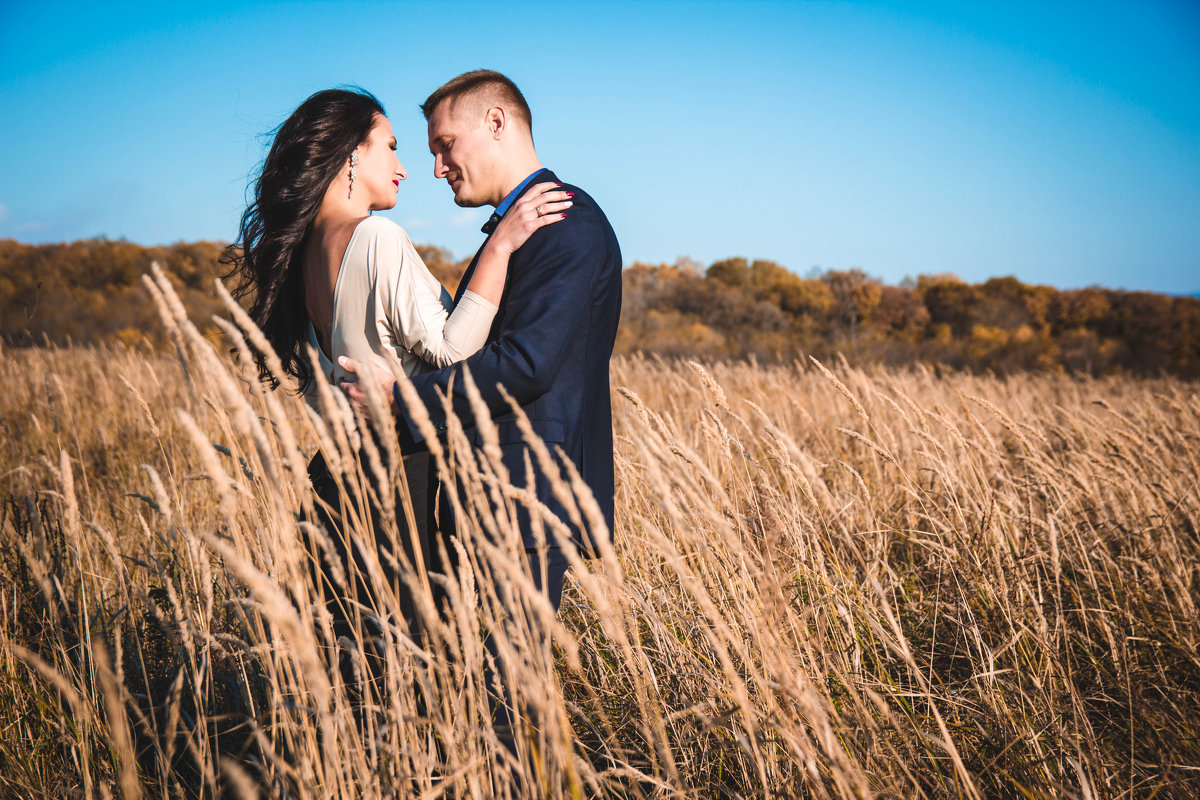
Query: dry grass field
(825, 581)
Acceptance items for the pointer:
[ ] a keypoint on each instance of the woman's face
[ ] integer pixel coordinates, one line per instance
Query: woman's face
(379, 170)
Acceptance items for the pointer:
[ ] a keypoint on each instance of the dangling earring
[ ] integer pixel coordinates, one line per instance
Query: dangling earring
(353, 172)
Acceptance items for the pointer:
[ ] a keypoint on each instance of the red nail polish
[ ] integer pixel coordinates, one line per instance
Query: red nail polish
(564, 216)
(570, 194)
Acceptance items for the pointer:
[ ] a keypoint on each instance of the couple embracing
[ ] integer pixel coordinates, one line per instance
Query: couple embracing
(535, 315)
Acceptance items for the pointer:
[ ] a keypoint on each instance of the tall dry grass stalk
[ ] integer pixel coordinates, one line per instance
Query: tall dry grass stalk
(823, 582)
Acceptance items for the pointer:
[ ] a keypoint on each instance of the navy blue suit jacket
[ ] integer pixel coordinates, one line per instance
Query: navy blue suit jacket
(549, 346)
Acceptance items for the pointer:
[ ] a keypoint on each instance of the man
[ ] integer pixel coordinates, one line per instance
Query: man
(553, 335)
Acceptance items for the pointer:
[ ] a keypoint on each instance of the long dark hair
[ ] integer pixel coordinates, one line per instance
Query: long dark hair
(309, 149)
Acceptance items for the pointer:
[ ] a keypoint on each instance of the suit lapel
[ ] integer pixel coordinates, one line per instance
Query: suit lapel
(548, 175)
(466, 278)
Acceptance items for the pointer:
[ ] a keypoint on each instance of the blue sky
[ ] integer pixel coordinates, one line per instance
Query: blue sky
(1056, 142)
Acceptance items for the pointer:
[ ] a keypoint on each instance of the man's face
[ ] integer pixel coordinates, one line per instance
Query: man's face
(464, 152)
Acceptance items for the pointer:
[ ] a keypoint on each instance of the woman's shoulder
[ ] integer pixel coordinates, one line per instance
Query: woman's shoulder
(386, 253)
(380, 247)
(376, 227)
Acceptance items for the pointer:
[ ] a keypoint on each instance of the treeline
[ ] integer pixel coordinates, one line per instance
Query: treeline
(737, 309)
(89, 291)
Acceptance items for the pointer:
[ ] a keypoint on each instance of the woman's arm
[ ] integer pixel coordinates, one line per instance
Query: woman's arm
(419, 313)
(419, 317)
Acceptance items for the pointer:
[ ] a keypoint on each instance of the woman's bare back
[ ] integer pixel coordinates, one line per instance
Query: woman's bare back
(324, 251)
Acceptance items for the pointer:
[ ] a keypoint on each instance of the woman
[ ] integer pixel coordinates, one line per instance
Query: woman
(322, 271)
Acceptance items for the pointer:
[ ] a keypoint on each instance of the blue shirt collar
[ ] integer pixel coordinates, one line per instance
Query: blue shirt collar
(507, 202)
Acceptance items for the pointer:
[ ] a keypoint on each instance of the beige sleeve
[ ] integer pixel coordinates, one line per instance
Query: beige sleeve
(419, 311)
(466, 330)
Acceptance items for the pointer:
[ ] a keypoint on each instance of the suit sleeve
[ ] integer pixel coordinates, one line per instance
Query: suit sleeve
(551, 286)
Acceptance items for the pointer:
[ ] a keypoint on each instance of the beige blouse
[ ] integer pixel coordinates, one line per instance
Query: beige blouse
(385, 300)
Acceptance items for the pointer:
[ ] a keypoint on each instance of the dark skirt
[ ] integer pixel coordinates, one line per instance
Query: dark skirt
(339, 570)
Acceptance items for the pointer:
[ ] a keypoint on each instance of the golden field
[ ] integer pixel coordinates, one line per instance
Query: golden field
(825, 581)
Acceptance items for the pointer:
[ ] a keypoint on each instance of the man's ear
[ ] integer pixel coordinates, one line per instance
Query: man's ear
(496, 121)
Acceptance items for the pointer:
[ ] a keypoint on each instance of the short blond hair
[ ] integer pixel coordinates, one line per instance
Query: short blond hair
(483, 85)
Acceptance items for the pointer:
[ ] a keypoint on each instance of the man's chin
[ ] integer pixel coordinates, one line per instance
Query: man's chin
(466, 202)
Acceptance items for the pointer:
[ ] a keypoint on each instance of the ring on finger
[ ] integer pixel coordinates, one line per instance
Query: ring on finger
(538, 210)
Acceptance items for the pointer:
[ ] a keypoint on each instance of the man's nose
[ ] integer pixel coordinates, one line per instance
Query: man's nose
(439, 167)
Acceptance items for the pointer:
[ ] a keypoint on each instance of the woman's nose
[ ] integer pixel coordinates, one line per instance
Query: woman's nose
(401, 171)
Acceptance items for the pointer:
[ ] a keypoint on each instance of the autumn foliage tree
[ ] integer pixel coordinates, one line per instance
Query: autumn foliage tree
(735, 308)
(738, 308)
(91, 290)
